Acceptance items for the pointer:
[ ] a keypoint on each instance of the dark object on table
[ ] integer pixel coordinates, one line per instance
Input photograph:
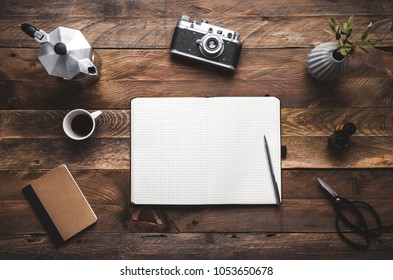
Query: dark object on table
(349, 214)
(197, 39)
(340, 139)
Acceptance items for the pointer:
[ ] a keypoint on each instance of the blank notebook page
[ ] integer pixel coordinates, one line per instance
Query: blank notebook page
(195, 150)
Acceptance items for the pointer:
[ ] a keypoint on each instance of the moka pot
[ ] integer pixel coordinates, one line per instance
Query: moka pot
(66, 53)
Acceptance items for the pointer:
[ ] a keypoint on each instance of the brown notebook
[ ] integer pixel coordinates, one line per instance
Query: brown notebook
(60, 204)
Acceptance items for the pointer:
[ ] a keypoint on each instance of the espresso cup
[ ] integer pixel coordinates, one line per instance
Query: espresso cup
(79, 124)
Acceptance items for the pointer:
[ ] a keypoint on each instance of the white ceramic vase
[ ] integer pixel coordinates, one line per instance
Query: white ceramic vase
(321, 64)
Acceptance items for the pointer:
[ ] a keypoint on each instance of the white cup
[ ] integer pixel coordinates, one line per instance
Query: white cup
(70, 127)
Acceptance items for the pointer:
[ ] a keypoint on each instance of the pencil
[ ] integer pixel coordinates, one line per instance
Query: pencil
(275, 186)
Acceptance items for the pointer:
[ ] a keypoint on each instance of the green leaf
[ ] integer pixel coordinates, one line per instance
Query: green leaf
(341, 43)
(364, 48)
(345, 25)
(367, 31)
(365, 34)
(331, 22)
(349, 32)
(330, 32)
(350, 21)
(343, 51)
(348, 45)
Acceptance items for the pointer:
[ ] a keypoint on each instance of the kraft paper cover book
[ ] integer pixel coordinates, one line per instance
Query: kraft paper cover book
(197, 150)
(60, 204)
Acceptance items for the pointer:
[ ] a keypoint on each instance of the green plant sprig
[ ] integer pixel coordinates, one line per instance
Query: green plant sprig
(348, 45)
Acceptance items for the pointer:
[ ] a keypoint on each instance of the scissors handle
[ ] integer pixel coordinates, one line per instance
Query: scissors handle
(378, 230)
(360, 228)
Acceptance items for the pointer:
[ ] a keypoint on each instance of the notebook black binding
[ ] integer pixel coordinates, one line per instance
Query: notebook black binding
(42, 214)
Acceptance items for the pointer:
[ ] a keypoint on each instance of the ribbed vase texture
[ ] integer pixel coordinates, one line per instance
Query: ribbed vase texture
(321, 64)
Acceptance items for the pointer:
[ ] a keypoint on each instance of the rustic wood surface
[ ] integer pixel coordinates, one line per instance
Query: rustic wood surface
(132, 39)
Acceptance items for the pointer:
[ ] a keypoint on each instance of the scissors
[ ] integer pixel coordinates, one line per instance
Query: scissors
(349, 214)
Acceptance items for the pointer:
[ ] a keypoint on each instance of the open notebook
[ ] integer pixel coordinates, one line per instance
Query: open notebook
(196, 150)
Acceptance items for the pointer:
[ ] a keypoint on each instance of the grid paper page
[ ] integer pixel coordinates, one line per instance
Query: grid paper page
(204, 150)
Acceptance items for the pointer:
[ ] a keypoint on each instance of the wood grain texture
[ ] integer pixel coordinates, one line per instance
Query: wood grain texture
(149, 8)
(112, 187)
(296, 184)
(368, 81)
(132, 39)
(117, 94)
(49, 124)
(49, 153)
(151, 32)
(321, 122)
(158, 65)
(305, 207)
(312, 152)
(116, 123)
(108, 153)
(293, 215)
(19, 217)
(99, 9)
(193, 246)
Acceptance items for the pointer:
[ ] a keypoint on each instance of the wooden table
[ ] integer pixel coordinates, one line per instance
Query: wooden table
(132, 38)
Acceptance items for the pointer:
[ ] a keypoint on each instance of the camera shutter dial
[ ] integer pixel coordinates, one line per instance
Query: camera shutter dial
(211, 46)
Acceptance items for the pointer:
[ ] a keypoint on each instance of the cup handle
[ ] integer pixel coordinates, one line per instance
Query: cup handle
(95, 114)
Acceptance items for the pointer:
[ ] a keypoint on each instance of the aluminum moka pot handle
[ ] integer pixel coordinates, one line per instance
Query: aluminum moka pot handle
(29, 29)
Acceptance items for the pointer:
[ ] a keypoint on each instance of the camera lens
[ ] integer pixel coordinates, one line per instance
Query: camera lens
(211, 46)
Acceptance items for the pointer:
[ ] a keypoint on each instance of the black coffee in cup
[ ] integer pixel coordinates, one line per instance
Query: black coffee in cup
(82, 124)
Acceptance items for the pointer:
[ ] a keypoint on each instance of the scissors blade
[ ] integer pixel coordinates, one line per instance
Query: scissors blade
(327, 187)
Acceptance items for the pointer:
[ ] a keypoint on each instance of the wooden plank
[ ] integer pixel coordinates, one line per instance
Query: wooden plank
(193, 246)
(105, 187)
(312, 152)
(322, 122)
(106, 153)
(112, 187)
(19, 217)
(92, 153)
(147, 32)
(354, 184)
(280, 73)
(108, 192)
(49, 124)
(294, 215)
(281, 8)
(116, 123)
(57, 95)
(118, 8)
(21, 64)
(99, 9)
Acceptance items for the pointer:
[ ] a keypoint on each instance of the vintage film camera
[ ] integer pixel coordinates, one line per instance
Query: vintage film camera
(197, 39)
